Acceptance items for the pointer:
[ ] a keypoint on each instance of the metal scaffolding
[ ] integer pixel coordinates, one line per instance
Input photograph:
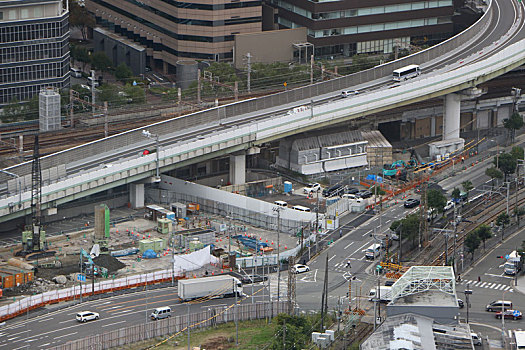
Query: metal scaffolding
(423, 278)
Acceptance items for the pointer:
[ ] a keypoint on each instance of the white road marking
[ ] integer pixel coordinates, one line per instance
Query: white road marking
(65, 321)
(12, 338)
(348, 245)
(331, 258)
(122, 312)
(46, 344)
(367, 232)
(360, 248)
(47, 319)
(112, 324)
(65, 335)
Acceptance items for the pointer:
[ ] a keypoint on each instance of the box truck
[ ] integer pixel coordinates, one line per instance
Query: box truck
(513, 264)
(385, 294)
(209, 287)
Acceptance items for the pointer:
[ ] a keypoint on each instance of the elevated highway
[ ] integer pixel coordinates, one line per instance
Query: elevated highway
(492, 46)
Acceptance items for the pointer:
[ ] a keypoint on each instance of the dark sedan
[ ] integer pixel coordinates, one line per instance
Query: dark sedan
(255, 278)
(411, 203)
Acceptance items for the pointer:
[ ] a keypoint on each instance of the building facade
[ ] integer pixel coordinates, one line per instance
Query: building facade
(34, 48)
(351, 27)
(173, 30)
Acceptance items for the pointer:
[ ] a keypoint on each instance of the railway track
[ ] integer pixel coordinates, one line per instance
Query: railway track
(434, 253)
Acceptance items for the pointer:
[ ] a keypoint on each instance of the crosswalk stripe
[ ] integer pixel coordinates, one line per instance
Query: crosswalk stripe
(507, 288)
(482, 285)
(491, 285)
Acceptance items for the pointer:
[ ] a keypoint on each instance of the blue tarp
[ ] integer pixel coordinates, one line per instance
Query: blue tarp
(374, 178)
(149, 254)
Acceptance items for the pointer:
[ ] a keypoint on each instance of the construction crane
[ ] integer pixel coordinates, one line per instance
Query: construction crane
(33, 237)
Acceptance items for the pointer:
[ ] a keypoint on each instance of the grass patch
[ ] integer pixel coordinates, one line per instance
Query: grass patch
(252, 335)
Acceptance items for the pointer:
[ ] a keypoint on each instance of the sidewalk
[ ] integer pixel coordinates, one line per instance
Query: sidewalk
(521, 284)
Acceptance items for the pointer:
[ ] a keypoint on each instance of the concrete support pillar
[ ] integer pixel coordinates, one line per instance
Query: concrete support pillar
(237, 168)
(165, 68)
(432, 126)
(451, 125)
(136, 195)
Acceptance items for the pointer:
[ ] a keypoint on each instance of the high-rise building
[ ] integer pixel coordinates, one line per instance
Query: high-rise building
(350, 27)
(174, 30)
(34, 47)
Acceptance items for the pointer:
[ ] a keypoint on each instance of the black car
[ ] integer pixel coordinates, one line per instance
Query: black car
(352, 190)
(411, 203)
(389, 283)
(335, 190)
(461, 304)
(247, 279)
(364, 194)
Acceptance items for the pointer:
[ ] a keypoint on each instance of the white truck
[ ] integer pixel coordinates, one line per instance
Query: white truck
(385, 294)
(220, 286)
(513, 264)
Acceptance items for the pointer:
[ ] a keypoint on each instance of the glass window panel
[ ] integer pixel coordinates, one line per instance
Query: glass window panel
(403, 7)
(390, 25)
(418, 22)
(432, 4)
(391, 8)
(377, 10)
(364, 11)
(363, 28)
(418, 5)
(350, 30)
(12, 14)
(377, 27)
(24, 13)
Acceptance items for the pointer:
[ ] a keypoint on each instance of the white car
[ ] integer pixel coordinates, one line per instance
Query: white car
(314, 187)
(85, 316)
(300, 268)
(448, 206)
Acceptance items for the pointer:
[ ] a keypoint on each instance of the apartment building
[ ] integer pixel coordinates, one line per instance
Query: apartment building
(34, 47)
(350, 27)
(172, 30)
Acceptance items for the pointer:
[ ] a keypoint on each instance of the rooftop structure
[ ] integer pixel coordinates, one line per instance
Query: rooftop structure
(424, 278)
(411, 331)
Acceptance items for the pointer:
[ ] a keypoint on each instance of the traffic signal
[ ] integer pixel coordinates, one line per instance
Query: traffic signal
(500, 257)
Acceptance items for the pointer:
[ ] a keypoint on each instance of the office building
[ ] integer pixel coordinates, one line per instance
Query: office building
(350, 27)
(34, 48)
(174, 30)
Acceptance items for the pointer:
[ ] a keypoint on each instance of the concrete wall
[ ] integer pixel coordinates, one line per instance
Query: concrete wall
(267, 47)
(120, 50)
(441, 314)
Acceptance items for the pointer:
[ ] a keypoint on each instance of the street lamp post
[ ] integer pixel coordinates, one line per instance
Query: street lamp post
(278, 210)
(155, 137)
(467, 292)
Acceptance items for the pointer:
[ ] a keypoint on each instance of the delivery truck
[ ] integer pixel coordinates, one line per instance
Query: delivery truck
(220, 286)
(513, 265)
(385, 294)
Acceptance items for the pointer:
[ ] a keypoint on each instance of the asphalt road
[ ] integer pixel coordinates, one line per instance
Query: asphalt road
(493, 285)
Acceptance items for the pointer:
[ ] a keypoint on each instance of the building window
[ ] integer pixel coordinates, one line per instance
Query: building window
(12, 14)
(24, 13)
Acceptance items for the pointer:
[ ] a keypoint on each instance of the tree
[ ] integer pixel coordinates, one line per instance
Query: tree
(472, 243)
(436, 199)
(12, 112)
(123, 72)
(410, 226)
(394, 226)
(467, 186)
(517, 152)
(81, 54)
(515, 122)
(456, 194)
(484, 232)
(297, 333)
(136, 93)
(494, 173)
(100, 61)
(502, 220)
(79, 17)
(506, 163)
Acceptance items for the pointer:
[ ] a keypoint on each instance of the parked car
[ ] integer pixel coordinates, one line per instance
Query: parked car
(364, 194)
(312, 187)
(84, 316)
(512, 314)
(394, 237)
(247, 279)
(476, 339)
(448, 206)
(461, 304)
(352, 190)
(389, 283)
(335, 190)
(411, 203)
(347, 93)
(300, 268)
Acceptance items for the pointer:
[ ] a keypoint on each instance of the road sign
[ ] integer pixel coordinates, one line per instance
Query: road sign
(507, 256)
(81, 278)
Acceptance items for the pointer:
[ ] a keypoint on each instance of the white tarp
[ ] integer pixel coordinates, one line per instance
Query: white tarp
(193, 261)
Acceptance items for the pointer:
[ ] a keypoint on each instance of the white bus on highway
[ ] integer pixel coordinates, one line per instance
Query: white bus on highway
(407, 72)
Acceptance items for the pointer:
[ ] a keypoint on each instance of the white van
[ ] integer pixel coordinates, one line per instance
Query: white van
(347, 93)
(519, 336)
(476, 339)
(301, 208)
(161, 312)
(75, 72)
(281, 203)
(373, 251)
(92, 82)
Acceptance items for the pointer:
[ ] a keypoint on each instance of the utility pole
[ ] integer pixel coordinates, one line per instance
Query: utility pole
(316, 222)
(278, 210)
(93, 92)
(71, 109)
(236, 315)
(188, 325)
(324, 296)
(199, 86)
(508, 190)
(249, 72)
(291, 286)
(311, 69)
(105, 118)
(455, 266)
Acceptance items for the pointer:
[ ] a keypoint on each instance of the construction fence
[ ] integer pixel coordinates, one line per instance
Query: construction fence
(177, 325)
